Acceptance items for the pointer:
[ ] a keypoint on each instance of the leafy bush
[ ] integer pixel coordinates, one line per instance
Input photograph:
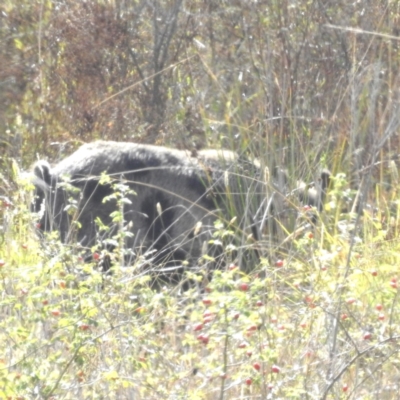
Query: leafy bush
(303, 85)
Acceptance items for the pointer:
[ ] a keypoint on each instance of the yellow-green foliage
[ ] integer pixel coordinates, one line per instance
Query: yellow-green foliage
(324, 319)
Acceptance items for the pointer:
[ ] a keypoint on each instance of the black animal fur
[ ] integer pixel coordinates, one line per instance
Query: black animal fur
(174, 193)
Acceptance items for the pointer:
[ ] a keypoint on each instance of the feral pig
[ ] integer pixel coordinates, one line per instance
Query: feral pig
(173, 200)
(169, 201)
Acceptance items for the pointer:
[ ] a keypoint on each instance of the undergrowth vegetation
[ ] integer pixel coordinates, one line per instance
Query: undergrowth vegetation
(317, 320)
(300, 85)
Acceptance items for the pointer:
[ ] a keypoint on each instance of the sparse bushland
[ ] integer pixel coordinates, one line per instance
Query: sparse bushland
(319, 319)
(303, 85)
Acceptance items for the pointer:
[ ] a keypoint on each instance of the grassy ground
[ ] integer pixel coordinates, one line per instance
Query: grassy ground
(320, 321)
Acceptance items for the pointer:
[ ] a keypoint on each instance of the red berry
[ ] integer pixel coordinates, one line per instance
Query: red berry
(45, 302)
(208, 316)
(56, 312)
(274, 319)
(257, 366)
(259, 303)
(308, 299)
(381, 316)
(367, 335)
(279, 263)
(249, 353)
(207, 302)
(24, 246)
(83, 327)
(203, 338)
(96, 256)
(249, 381)
(351, 300)
(345, 387)
(374, 272)
(344, 316)
(310, 235)
(379, 307)
(275, 369)
(243, 286)
(242, 345)
(236, 315)
(252, 328)
(393, 283)
(198, 327)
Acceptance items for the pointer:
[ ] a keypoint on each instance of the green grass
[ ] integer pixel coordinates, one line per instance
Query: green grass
(322, 325)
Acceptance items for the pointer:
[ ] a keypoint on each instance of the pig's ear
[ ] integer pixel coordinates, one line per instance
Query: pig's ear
(325, 179)
(42, 171)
